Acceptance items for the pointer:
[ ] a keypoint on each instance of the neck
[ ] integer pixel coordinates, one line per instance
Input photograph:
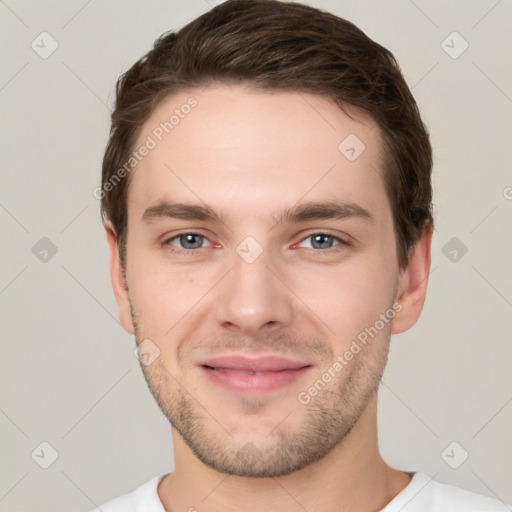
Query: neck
(353, 476)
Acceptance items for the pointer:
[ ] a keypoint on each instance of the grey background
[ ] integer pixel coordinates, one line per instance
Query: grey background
(67, 372)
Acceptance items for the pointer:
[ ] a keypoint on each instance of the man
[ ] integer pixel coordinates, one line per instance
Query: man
(267, 199)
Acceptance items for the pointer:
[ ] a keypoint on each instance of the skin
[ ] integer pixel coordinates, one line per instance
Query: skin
(249, 154)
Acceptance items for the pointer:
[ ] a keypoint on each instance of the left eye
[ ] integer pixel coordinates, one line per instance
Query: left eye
(322, 241)
(188, 241)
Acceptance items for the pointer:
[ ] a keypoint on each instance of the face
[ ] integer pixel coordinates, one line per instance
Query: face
(262, 275)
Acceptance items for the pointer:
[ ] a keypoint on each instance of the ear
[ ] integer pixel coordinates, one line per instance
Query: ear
(412, 284)
(118, 279)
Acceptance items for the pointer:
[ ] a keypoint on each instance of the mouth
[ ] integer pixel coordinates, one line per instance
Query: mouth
(253, 375)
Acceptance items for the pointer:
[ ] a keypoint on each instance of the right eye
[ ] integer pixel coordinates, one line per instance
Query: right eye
(187, 241)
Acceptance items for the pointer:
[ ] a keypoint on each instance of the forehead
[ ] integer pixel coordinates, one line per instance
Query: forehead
(248, 148)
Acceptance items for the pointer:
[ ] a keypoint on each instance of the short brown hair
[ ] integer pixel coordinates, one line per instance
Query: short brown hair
(274, 45)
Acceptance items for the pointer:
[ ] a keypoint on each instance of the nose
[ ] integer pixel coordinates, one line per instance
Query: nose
(253, 297)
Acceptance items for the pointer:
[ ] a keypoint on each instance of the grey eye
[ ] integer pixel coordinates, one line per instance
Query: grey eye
(189, 241)
(321, 241)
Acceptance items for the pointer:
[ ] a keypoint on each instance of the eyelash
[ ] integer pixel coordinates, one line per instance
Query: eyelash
(341, 243)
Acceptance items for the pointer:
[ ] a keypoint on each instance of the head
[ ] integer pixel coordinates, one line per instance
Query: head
(266, 192)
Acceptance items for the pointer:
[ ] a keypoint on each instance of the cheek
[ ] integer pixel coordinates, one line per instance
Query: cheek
(349, 297)
(163, 294)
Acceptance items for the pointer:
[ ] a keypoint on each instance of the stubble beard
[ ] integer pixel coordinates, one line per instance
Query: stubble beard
(317, 427)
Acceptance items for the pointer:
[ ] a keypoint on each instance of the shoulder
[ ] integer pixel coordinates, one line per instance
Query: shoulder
(424, 494)
(142, 499)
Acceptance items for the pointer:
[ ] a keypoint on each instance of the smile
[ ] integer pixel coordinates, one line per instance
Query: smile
(248, 375)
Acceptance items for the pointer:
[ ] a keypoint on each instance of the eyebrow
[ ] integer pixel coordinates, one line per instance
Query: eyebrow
(324, 210)
(165, 209)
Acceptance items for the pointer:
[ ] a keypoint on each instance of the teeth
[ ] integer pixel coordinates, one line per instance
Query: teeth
(240, 372)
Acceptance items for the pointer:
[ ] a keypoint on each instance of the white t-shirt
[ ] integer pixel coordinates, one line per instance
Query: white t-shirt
(421, 495)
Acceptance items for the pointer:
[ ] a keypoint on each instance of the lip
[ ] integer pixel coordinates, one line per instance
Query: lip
(261, 374)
